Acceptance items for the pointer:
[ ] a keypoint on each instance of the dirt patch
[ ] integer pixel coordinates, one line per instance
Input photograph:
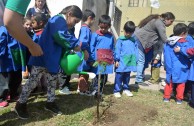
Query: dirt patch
(125, 112)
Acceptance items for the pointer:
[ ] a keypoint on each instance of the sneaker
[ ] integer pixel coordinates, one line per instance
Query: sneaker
(94, 92)
(179, 102)
(65, 91)
(87, 93)
(117, 94)
(141, 83)
(163, 83)
(51, 106)
(78, 91)
(3, 104)
(21, 110)
(166, 100)
(128, 93)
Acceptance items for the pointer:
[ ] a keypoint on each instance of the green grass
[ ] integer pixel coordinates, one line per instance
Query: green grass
(80, 110)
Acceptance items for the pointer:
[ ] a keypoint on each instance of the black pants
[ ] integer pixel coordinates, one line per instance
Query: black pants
(9, 84)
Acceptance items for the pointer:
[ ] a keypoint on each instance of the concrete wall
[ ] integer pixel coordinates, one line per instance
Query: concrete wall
(99, 7)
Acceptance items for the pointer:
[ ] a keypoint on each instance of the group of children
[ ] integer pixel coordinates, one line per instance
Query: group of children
(101, 56)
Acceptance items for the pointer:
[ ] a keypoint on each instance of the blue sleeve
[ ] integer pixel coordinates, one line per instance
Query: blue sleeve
(93, 47)
(84, 38)
(3, 40)
(117, 50)
(61, 34)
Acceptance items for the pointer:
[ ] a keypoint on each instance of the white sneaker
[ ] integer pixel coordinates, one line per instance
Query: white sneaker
(117, 95)
(87, 93)
(128, 93)
(163, 83)
(65, 91)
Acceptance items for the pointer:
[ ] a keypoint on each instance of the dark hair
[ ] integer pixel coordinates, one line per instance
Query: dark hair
(179, 29)
(105, 19)
(191, 28)
(38, 17)
(129, 26)
(45, 7)
(147, 19)
(167, 15)
(75, 11)
(86, 14)
(25, 19)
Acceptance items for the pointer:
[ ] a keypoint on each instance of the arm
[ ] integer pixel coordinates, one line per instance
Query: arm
(84, 38)
(3, 41)
(13, 22)
(161, 30)
(65, 40)
(93, 47)
(117, 50)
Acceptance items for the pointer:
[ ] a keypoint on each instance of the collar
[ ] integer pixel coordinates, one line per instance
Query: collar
(125, 38)
(38, 32)
(85, 25)
(182, 40)
(99, 33)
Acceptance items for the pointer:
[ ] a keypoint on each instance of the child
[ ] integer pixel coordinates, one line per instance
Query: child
(85, 38)
(176, 63)
(39, 7)
(63, 79)
(190, 52)
(54, 40)
(102, 42)
(39, 21)
(190, 39)
(156, 63)
(12, 62)
(125, 60)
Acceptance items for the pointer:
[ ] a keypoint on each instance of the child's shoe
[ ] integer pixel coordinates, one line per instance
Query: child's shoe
(128, 93)
(179, 102)
(3, 104)
(87, 93)
(117, 94)
(166, 100)
(51, 106)
(65, 91)
(21, 110)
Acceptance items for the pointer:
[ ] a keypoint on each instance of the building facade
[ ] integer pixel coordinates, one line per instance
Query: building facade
(136, 10)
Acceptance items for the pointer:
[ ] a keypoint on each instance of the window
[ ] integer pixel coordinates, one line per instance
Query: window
(133, 3)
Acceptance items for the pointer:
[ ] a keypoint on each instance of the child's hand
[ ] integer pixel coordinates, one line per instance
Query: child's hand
(86, 55)
(155, 61)
(77, 49)
(177, 49)
(91, 63)
(117, 64)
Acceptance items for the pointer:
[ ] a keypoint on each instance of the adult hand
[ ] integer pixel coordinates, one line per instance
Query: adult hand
(35, 50)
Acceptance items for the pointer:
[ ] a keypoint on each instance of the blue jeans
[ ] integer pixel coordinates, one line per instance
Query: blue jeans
(140, 62)
(121, 78)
